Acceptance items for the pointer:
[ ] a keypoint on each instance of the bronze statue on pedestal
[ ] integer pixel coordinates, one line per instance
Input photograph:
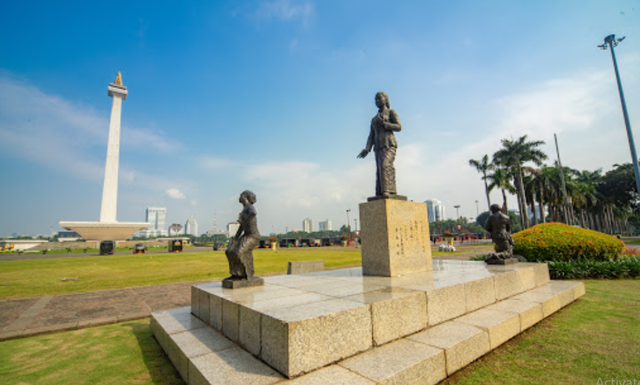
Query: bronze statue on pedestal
(240, 250)
(383, 142)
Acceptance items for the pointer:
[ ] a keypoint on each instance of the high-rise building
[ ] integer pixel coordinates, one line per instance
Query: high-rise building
(325, 225)
(157, 217)
(307, 225)
(435, 210)
(232, 229)
(191, 227)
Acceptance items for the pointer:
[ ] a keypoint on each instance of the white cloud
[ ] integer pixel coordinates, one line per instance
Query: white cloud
(571, 104)
(212, 163)
(148, 138)
(174, 193)
(581, 109)
(57, 133)
(67, 137)
(285, 10)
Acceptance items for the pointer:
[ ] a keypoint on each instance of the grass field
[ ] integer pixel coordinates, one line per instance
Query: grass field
(38, 277)
(32, 278)
(597, 337)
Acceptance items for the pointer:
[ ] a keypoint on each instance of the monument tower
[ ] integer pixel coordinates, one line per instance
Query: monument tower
(108, 228)
(110, 188)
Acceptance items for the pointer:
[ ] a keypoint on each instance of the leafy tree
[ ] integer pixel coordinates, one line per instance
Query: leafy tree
(483, 165)
(501, 178)
(619, 186)
(481, 220)
(513, 155)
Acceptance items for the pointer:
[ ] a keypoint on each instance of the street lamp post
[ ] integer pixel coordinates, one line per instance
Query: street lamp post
(348, 225)
(612, 42)
(457, 213)
(477, 209)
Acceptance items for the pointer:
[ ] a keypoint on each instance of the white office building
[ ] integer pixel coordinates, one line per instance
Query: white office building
(435, 210)
(325, 225)
(232, 229)
(157, 217)
(191, 227)
(307, 225)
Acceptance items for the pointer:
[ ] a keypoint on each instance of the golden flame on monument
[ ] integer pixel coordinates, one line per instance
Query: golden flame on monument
(118, 80)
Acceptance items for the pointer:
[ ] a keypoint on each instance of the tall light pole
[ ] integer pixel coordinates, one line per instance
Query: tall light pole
(348, 225)
(612, 42)
(458, 215)
(564, 186)
(477, 209)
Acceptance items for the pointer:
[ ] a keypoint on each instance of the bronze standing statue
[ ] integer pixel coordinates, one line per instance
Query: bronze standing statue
(383, 141)
(499, 225)
(239, 253)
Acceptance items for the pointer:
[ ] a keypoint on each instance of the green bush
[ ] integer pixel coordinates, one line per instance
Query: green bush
(623, 268)
(560, 242)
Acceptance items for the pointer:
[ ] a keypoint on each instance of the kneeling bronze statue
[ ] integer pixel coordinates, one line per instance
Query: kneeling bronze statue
(499, 226)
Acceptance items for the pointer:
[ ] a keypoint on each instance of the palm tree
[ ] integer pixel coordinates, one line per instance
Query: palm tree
(483, 166)
(514, 154)
(501, 178)
(586, 182)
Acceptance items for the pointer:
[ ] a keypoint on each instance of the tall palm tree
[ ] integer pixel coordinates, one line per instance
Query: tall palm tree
(587, 182)
(483, 166)
(501, 178)
(514, 154)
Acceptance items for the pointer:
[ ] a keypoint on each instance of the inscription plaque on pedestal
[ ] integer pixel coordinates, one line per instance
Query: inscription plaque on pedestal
(395, 238)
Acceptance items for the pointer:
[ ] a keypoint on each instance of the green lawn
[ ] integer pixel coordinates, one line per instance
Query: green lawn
(125, 353)
(596, 337)
(38, 277)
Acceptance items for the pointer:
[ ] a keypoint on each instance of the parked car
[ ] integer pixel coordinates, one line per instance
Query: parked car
(139, 248)
(107, 247)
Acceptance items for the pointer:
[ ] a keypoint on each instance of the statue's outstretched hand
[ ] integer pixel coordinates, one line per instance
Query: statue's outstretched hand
(363, 154)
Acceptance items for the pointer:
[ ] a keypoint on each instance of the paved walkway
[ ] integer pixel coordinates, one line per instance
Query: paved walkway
(40, 315)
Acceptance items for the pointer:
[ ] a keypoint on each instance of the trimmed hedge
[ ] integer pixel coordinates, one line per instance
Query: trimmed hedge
(560, 242)
(623, 268)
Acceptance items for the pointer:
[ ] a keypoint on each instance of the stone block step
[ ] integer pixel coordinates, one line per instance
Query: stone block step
(205, 356)
(298, 323)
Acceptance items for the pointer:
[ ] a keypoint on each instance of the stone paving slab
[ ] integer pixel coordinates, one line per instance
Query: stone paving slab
(10, 310)
(40, 315)
(23, 317)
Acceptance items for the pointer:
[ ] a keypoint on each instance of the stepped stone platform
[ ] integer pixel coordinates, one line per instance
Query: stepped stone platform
(343, 327)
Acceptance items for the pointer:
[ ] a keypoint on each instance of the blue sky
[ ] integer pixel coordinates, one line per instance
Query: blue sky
(277, 96)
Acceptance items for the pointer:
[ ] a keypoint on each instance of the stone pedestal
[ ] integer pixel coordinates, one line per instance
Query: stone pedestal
(240, 283)
(342, 327)
(395, 238)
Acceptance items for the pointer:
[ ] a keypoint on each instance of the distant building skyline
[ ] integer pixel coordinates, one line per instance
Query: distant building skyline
(157, 216)
(191, 227)
(435, 210)
(232, 228)
(307, 225)
(325, 225)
